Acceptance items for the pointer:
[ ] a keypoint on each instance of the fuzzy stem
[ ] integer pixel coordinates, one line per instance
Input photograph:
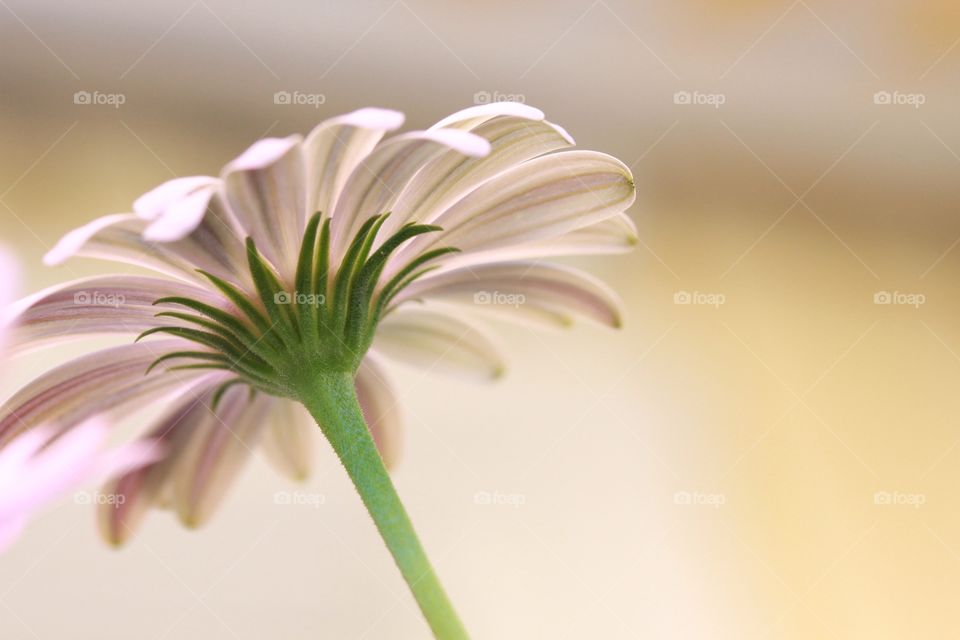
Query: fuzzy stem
(332, 400)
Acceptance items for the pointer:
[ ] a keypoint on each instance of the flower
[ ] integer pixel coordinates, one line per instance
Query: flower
(39, 467)
(325, 253)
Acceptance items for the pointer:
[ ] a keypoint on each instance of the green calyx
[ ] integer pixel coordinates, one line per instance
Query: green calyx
(282, 339)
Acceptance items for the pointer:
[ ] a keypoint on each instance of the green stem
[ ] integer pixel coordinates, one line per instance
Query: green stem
(332, 400)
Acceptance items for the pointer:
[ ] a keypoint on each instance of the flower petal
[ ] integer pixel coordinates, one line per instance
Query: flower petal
(142, 488)
(216, 454)
(543, 198)
(472, 116)
(374, 186)
(336, 147)
(435, 340)
(451, 176)
(289, 441)
(97, 305)
(266, 190)
(154, 203)
(213, 246)
(96, 383)
(65, 462)
(525, 289)
(380, 409)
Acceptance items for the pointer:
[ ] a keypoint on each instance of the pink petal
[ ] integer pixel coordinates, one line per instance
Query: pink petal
(142, 488)
(155, 202)
(480, 113)
(438, 341)
(375, 185)
(451, 176)
(266, 191)
(98, 305)
(336, 147)
(93, 384)
(217, 453)
(532, 290)
(70, 244)
(180, 218)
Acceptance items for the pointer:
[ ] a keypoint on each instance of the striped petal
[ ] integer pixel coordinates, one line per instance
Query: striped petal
(96, 383)
(212, 246)
(538, 200)
(533, 290)
(217, 453)
(266, 190)
(138, 490)
(336, 147)
(472, 116)
(437, 341)
(175, 208)
(289, 440)
(381, 410)
(451, 176)
(97, 305)
(374, 186)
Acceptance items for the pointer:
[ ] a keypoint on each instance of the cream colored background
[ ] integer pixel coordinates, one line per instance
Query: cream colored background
(795, 401)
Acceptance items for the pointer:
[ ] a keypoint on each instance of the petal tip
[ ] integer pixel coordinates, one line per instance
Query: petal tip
(375, 118)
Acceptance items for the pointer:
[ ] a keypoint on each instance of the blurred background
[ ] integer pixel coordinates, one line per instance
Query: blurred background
(768, 449)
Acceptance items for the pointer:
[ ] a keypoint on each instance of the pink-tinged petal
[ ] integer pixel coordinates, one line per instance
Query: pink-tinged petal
(97, 305)
(217, 453)
(525, 290)
(154, 203)
(451, 176)
(336, 147)
(70, 244)
(472, 116)
(381, 410)
(611, 236)
(266, 191)
(140, 489)
(213, 246)
(263, 154)
(540, 199)
(180, 219)
(439, 342)
(10, 530)
(374, 186)
(65, 462)
(97, 383)
(289, 442)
